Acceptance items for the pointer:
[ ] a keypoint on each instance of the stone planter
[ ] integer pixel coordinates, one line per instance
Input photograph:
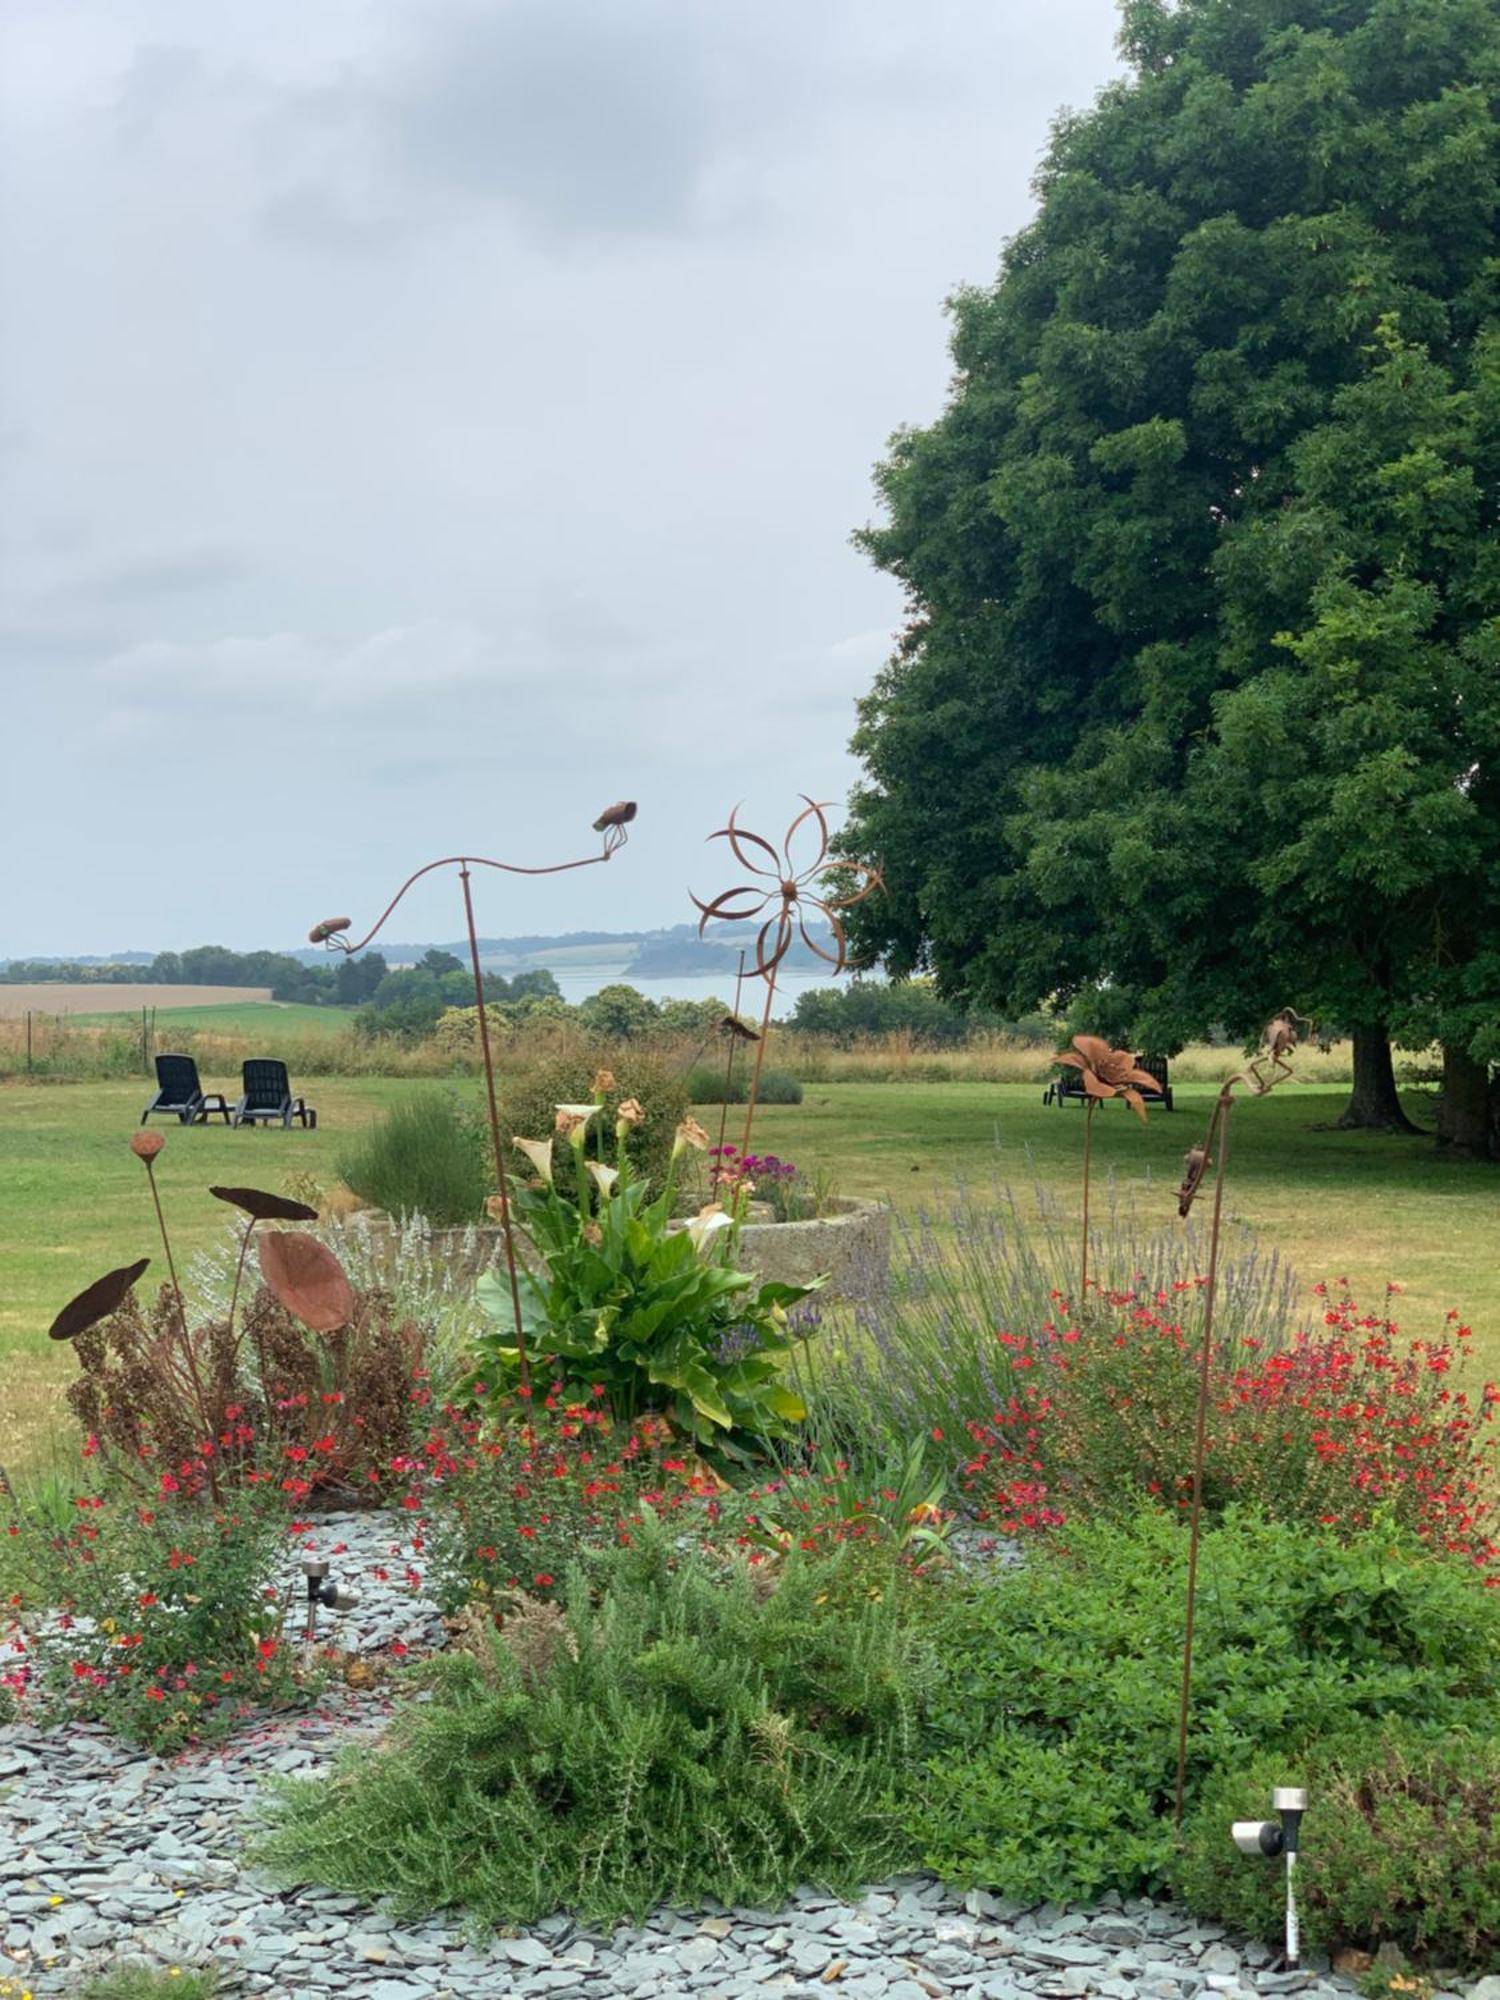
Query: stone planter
(852, 1244)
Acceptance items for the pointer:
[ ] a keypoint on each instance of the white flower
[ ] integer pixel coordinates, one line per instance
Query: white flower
(539, 1152)
(705, 1227)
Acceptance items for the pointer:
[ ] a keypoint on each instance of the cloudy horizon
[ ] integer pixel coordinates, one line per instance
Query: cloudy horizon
(421, 425)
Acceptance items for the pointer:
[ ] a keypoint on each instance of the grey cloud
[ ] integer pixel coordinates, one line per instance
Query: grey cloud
(161, 78)
(588, 117)
(150, 577)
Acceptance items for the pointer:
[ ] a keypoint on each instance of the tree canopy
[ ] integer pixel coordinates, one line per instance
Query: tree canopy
(1197, 695)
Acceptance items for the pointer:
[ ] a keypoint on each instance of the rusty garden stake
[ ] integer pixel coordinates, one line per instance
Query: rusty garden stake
(1104, 1073)
(146, 1146)
(612, 823)
(1259, 1076)
(734, 1031)
(788, 892)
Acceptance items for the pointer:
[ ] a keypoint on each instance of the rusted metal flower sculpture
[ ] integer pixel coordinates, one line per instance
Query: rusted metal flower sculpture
(97, 1301)
(612, 823)
(303, 1275)
(1265, 1070)
(146, 1146)
(258, 1205)
(1104, 1073)
(789, 892)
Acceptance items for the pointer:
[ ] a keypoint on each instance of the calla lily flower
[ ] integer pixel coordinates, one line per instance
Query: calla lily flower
(605, 1177)
(539, 1152)
(689, 1133)
(703, 1228)
(572, 1121)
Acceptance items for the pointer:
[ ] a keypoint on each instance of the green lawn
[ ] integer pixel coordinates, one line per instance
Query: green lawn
(275, 1020)
(1337, 1203)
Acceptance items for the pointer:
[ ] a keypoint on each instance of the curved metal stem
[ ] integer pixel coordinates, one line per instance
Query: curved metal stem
(614, 840)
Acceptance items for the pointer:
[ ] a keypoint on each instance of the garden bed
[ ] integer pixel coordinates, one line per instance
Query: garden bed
(113, 1854)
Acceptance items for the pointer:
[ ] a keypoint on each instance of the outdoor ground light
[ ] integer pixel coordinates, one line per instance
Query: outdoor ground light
(323, 1591)
(1272, 1837)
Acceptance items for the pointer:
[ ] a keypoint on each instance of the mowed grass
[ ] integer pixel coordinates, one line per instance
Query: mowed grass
(1373, 1208)
(273, 1020)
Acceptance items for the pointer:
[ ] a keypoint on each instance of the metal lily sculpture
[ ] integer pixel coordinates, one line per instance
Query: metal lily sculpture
(612, 823)
(1259, 1077)
(789, 893)
(1104, 1073)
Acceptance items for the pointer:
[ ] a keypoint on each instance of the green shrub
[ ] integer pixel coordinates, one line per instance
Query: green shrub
(172, 1634)
(529, 1100)
(707, 1085)
(779, 1086)
(1327, 1428)
(1057, 1724)
(652, 1318)
(1401, 1845)
(689, 1733)
(426, 1156)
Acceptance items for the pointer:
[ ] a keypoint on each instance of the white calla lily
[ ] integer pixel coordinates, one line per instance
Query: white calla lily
(539, 1152)
(572, 1122)
(703, 1228)
(605, 1177)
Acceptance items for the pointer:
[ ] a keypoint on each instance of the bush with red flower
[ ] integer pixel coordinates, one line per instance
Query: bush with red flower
(148, 1606)
(1348, 1418)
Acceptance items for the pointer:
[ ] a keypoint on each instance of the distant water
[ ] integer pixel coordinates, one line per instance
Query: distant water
(578, 986)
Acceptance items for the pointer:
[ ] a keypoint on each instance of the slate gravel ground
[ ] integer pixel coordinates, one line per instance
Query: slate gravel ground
(107, 1854)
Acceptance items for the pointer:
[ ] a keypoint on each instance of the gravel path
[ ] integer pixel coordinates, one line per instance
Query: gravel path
(108, 1854)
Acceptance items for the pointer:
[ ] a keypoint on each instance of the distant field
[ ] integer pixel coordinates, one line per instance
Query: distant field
(275, 1019)
(86, 999)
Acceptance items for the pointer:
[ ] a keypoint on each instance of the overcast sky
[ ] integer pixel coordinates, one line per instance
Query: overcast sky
(425, 423)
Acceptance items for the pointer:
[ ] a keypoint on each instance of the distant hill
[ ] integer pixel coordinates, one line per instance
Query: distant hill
(676, 952)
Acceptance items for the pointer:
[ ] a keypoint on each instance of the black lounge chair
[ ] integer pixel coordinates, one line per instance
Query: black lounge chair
(180, 1095)
(268, 1097)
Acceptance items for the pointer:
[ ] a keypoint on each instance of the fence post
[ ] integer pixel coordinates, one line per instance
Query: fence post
(28, 1041)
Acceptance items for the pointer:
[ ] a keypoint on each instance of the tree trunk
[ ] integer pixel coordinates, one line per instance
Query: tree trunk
(1466, 1110)
(1374, 1105)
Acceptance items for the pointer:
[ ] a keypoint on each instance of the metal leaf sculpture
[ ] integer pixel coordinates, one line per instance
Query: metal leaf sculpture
(264, 1207)
(97, 1301)
(305, 1276)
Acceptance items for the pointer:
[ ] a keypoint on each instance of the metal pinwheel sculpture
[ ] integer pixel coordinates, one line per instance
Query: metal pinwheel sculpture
(612, 823)
(789, 893)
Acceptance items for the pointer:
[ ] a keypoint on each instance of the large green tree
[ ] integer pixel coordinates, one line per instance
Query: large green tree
(1196, 696)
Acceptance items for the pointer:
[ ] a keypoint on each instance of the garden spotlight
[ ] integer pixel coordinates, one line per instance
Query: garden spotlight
(1273, 1837)
(322, 1589)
